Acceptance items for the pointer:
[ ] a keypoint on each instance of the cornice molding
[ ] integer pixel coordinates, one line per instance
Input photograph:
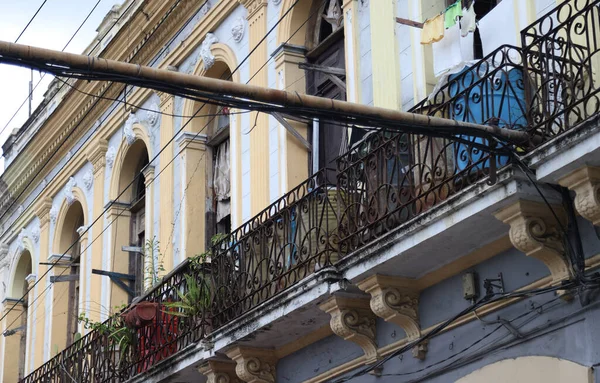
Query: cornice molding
(254, 365)
(585, 182)
(535, 232)
(353, 320)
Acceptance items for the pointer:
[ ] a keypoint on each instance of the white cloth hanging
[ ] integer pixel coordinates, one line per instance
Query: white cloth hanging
(447, 51)
(498, 27)
(468, 21)
(221, 181)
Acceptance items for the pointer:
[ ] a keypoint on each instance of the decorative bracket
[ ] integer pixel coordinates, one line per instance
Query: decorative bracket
(254, 365)
(353, 320)
(219, 371)
(396, 300)
(535, 232)
(585, 182)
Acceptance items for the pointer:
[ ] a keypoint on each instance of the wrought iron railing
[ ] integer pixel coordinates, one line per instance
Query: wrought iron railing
(562, 51)
(545, 88)
(286, 242)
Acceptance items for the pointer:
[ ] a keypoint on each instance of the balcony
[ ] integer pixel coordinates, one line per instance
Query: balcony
(548, 87)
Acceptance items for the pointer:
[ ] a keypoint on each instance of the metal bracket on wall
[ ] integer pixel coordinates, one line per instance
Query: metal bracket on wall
(489, 284)
(291, 129)
(64, 278)
(117, 279)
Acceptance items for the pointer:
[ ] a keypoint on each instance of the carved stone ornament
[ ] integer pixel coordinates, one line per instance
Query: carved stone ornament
(396, 300)
(53, 214)
(128, 129)
(110, 156)
(206, 7)
(20, 210)
(585, 182)
(219, 371)
(238, 29)
(254, 365)
(205, 53)
(276, 2)
(152, 115)
(88, 179)
(35, 234)
(535, 232)
(70, 197)
(353, 320)
(20, 238)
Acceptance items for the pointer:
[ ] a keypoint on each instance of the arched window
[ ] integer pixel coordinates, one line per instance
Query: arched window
(137, 234)
(67, 278)
(15, 336)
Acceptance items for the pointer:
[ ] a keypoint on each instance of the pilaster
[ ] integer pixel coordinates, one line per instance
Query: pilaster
(291, 78)
(585, 182)
(254, 365)
(353, 320)
(97, 157)
(385, 55)
(219, 371)
(193, 179)
(351, 40)
(42, 211)
(30, 280)
(166, 223)
(396, 300)
(259, 128)
(535, 232)
(12, 342)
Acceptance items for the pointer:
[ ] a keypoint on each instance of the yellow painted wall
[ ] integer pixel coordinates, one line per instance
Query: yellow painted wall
(531, 369)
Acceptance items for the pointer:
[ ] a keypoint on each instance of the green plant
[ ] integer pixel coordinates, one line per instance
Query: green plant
(115, 329)
(154, 267)
(197, 296)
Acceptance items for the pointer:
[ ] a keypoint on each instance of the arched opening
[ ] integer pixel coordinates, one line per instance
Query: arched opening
(67, 278)
(15, 335)
(132, 172)
(217, 166)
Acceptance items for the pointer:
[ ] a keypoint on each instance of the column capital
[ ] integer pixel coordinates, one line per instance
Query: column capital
(219, 371)
(148, 173)
(97, 154)
(254, 365)
(535, 231)
(353, 320)
(30, 279)
(585, 182)
(165, 98)
(42, 211)
(396, 300)
(253, 6)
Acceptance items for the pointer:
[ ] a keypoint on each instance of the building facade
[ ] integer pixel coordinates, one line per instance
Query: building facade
(254, 247)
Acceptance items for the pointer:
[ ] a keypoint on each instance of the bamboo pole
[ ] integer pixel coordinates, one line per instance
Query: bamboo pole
(9, 52)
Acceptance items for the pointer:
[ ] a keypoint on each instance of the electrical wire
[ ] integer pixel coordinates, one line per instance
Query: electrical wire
(154, 158)
(31, 20)
(163, 19)
(488, 299)
(43, 75)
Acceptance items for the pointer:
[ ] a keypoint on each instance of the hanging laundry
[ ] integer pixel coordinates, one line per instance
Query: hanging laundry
(452, 13)
(447, 52)
(433, 30)
(468, 21)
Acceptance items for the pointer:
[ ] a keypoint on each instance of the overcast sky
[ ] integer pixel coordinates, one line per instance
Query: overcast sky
(51, 28)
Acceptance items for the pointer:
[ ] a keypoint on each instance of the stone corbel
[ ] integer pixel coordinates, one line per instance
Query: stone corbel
(585, 182)
(254, 365)
(353, 320)
(535, 232)
(396, 300)
(219, 371)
